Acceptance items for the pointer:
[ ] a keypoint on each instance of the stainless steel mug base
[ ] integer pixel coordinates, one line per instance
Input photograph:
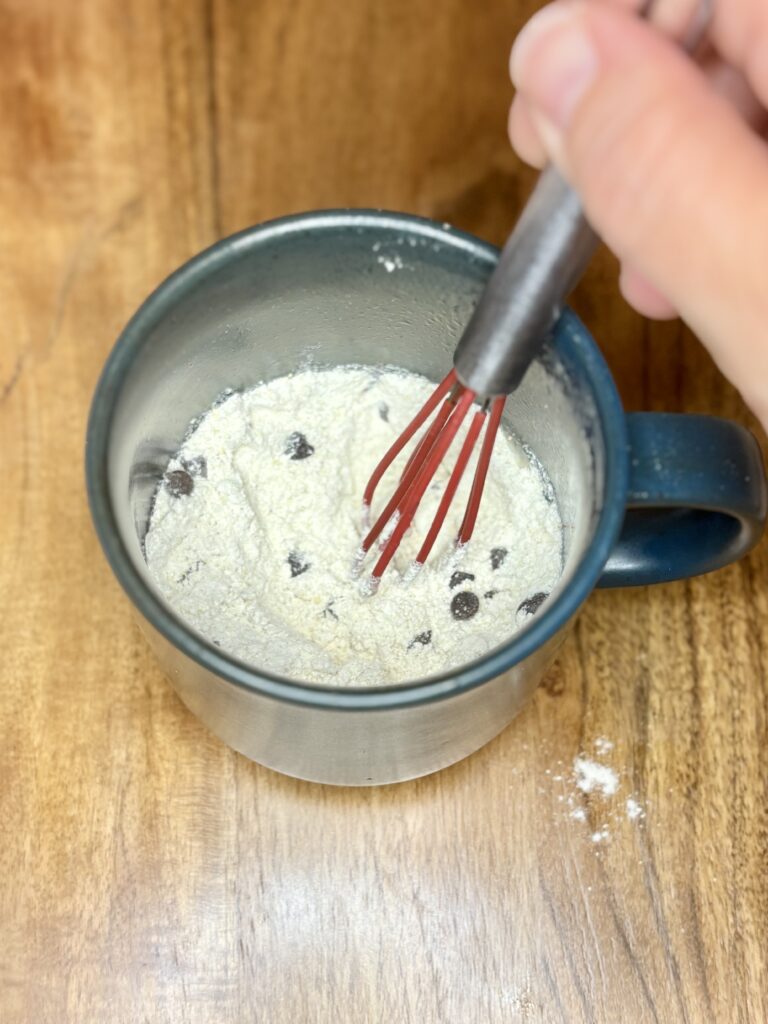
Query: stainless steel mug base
(350, 748)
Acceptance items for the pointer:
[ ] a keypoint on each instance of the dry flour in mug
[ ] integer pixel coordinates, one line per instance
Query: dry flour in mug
(255, 526)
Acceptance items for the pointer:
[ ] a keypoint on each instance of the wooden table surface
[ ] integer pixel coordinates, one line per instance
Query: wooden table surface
(147, 872)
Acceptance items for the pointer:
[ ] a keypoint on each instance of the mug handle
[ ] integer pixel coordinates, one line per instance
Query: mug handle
(696, 499)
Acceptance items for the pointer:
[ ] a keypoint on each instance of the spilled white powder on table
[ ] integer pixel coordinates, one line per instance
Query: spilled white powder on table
(255, 528)
(603, 746)
(634, 809)
(601, 785)
(591, 775)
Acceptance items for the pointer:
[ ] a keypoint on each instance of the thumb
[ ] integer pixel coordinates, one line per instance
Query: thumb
(670, 176)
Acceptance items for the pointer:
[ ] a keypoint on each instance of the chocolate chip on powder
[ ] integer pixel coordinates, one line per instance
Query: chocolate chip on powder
(297, 563)
(465, 605)
(421, 639)
(459, 577)
(532, 604)
(297, 447)
(179, 483)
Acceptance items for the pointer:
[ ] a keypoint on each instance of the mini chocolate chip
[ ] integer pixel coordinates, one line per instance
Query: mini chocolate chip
(384, 411)
(196, 466)
(421, 638)
(298, 447)
(217, 642)
(497, 557)
(533, 603)
(490, 593)
(297, 564)
(459, 577)
(192, 569)
(179, 483)
(465, 604)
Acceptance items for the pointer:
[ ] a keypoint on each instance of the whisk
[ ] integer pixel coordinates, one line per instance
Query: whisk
(543, 258)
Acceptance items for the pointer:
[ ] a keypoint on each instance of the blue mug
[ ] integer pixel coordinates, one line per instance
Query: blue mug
(645, 497)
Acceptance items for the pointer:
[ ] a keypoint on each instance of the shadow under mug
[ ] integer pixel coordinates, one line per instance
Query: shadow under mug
(644, 497)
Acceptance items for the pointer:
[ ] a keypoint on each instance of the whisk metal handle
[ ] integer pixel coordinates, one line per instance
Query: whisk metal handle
(544, 257)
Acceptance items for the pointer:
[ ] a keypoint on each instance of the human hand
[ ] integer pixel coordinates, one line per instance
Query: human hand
(667, 157)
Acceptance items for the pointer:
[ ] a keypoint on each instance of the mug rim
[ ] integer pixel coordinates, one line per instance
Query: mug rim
(574, 338)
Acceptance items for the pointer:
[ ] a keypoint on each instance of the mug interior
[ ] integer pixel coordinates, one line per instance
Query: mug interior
(329, 289)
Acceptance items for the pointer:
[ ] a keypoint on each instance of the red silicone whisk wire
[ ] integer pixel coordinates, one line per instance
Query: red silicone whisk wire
(473, 504)
(426, 410)
(411, 499)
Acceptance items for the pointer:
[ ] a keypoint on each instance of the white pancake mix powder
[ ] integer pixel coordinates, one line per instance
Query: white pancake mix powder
(254, 531)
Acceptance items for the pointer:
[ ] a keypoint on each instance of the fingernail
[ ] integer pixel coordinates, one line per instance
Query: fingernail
(554, 62)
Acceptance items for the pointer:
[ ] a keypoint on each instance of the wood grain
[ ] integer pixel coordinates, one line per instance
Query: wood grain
(147, 873)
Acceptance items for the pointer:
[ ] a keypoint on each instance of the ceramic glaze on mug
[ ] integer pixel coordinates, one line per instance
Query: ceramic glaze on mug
(644, 497)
